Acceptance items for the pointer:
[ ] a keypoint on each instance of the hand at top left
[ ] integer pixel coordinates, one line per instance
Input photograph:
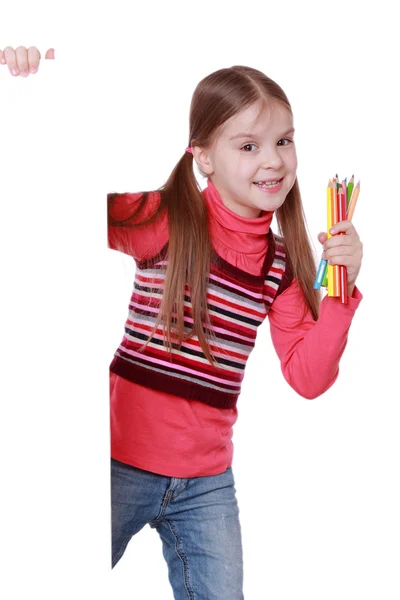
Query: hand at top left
(23, 61)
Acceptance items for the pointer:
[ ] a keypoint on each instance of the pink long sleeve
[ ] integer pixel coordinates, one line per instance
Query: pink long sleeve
(310, 350)
(139, 242)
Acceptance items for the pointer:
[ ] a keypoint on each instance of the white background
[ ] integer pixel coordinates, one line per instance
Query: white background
(317, 481)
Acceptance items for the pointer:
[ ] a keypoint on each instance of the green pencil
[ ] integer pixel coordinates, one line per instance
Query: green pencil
(350, 186)
(325, 278)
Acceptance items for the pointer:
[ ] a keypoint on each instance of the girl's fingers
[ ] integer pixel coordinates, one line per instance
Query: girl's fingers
(345, 260)
(340, 240)
(345, 226)
(33, 59)
(339, 251)
(352, 250)
(11, 60)
(22, 60)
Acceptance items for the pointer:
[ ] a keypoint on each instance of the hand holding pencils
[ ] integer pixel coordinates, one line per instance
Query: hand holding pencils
(333, 274)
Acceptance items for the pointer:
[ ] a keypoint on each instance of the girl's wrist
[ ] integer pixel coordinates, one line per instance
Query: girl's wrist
(350, 289)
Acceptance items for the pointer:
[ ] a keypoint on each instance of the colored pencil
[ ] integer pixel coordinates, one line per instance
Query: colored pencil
(353, 201)
(325, 277)
(328, 190)
(350, 187)
(332, 188)
(344, 187)
(335, 220)
(321, 273)
(342, 268)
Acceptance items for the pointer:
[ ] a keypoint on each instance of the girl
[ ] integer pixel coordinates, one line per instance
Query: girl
(209, 270)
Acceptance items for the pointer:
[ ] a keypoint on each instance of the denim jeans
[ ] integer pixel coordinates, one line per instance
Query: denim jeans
(197, 520)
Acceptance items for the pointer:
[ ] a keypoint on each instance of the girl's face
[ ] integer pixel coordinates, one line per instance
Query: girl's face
(250, 150)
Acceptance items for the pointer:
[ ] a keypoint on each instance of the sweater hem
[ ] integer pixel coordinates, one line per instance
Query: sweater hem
(165, 383)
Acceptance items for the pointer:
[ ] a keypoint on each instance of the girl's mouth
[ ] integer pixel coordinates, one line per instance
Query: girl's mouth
(270, 187)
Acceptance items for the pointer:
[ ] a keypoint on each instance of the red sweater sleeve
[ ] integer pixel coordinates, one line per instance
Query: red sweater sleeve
(139, 242)
(310, 350)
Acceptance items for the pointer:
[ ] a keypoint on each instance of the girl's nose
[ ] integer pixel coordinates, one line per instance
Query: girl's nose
(271, 159)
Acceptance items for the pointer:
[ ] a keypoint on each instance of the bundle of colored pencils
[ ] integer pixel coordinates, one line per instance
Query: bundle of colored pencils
(341, 202)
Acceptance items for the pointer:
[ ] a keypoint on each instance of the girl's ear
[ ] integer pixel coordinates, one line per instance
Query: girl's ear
(202, 159)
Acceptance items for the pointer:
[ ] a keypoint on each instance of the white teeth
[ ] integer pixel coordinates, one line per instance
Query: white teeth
(265, 184)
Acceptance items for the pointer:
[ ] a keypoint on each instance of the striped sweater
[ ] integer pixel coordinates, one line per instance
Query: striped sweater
(238, 303)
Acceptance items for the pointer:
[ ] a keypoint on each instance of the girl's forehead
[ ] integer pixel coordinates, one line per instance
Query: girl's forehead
(258, 119)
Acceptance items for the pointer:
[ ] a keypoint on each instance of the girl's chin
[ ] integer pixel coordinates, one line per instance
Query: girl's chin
(268, 200)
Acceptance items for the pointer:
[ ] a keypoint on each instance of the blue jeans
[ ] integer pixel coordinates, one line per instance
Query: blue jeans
(197, 520)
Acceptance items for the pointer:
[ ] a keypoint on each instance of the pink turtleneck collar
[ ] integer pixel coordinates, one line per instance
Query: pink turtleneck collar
(241, 234)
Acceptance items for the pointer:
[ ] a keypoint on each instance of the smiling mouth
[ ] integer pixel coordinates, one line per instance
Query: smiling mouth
(268, 184)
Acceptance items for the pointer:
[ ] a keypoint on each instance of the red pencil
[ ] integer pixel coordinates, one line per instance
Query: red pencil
(335, 219)
(342, 216)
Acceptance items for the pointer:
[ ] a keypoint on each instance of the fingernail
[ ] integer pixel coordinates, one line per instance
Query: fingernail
(14, 71)
(3, 61)
(32, 70)
(332, 230)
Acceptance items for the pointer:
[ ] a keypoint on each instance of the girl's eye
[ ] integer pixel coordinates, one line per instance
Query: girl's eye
(246, 146)
(286, 140)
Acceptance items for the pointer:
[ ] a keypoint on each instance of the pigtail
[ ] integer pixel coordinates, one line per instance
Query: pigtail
(292, 227)
(189, 255)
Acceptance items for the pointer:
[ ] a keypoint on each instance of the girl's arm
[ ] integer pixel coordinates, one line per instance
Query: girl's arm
(310, 350)
(143, 241)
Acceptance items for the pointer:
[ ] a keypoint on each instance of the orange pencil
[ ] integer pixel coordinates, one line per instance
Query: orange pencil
(353, 201)
(329, 268)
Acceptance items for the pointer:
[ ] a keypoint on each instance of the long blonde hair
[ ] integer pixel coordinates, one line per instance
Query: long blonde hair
(217, 97)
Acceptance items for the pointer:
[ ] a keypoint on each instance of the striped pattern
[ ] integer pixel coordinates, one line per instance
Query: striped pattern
(238, 303)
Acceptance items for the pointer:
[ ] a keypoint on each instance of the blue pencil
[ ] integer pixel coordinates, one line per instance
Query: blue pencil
(320, 274)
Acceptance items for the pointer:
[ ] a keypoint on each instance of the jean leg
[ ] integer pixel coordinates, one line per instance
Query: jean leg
(201, 537)
(136, 498)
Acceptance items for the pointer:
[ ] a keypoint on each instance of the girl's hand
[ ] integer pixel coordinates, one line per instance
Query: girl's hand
(344, 250)
(22, 61)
